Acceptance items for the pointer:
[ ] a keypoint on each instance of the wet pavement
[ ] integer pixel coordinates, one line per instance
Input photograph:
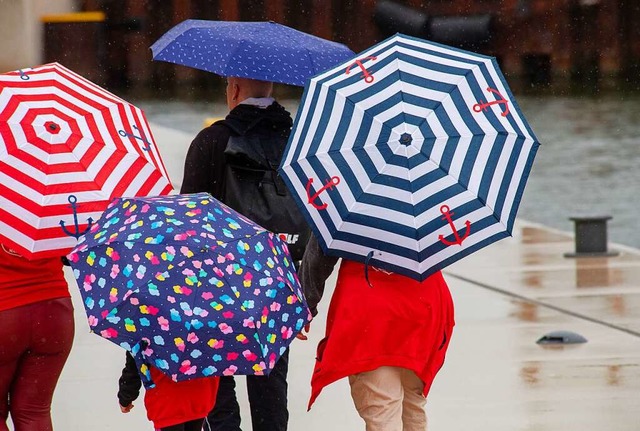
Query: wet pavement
(496, 377)
(508, 296)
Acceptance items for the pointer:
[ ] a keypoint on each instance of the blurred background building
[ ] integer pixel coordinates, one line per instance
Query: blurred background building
(537, 42)
(21, 39)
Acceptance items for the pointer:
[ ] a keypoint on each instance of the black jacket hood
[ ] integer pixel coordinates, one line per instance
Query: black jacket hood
(243, 118)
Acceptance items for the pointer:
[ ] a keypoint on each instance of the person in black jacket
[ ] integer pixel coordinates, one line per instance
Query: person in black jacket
(253, 112)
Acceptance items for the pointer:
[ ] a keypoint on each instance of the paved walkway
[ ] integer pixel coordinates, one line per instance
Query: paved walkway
(495, 378)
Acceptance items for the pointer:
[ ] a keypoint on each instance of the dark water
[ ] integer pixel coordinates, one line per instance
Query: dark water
(588, 163)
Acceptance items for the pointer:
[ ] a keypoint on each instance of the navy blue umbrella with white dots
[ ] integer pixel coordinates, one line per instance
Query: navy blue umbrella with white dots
(410, 156)
(265, 51)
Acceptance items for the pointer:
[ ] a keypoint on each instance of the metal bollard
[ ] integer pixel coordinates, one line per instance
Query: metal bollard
(591, 237)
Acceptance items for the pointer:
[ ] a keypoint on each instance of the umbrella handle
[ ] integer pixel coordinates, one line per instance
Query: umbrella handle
(366, 268)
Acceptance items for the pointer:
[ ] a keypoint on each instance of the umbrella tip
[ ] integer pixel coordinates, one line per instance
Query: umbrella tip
(406, 138)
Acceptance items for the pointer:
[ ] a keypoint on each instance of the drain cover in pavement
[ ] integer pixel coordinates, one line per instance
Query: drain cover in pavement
(561, 337)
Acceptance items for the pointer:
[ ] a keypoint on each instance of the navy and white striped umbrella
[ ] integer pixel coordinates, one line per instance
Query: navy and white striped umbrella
(409, 157)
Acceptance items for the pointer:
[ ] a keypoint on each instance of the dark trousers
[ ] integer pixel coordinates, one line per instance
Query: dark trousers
(35, 341)
(194, 425)
(267, 399)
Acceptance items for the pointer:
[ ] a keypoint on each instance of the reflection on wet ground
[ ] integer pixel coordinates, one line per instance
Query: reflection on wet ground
(515, 291)
(532, 265)
(535, 235)
(525, 311)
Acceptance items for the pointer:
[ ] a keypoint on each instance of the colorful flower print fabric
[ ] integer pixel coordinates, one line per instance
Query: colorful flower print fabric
(189, 286)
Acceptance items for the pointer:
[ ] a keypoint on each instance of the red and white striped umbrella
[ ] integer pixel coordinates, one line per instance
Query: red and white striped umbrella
(67, 147)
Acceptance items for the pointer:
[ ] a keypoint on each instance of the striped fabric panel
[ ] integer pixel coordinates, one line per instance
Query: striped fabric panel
(60, 136)
(462, 153)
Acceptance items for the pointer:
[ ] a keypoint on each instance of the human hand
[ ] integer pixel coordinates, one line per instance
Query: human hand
(126, 409)
(302, 334)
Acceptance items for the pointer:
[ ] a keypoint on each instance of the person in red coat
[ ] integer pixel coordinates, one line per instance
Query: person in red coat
(36, 335)
(171, 406)
(388, 334)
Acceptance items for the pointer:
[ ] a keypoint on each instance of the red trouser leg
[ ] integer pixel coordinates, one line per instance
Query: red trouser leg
(35, 341)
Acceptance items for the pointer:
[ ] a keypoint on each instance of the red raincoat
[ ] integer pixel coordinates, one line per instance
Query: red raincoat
(171, 403)
(397, 322)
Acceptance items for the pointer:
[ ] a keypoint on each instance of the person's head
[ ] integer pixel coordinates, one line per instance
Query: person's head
(239, 89)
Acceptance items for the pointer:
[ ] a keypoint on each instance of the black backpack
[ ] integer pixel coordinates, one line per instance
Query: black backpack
(254, 188)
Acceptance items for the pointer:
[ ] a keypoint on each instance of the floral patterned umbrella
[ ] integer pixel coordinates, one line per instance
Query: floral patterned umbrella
(189, 286)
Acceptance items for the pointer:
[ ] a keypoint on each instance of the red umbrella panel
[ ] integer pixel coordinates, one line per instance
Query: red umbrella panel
(67, 147)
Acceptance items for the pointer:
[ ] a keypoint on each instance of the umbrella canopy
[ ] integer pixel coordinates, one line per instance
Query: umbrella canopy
(266, 51)
(409, 157)
(190, 286)
(67, 147)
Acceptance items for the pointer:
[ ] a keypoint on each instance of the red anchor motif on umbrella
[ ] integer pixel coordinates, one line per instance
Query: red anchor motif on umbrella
(334, 181)
(482, 106)
(444, 209)
(368, 78)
